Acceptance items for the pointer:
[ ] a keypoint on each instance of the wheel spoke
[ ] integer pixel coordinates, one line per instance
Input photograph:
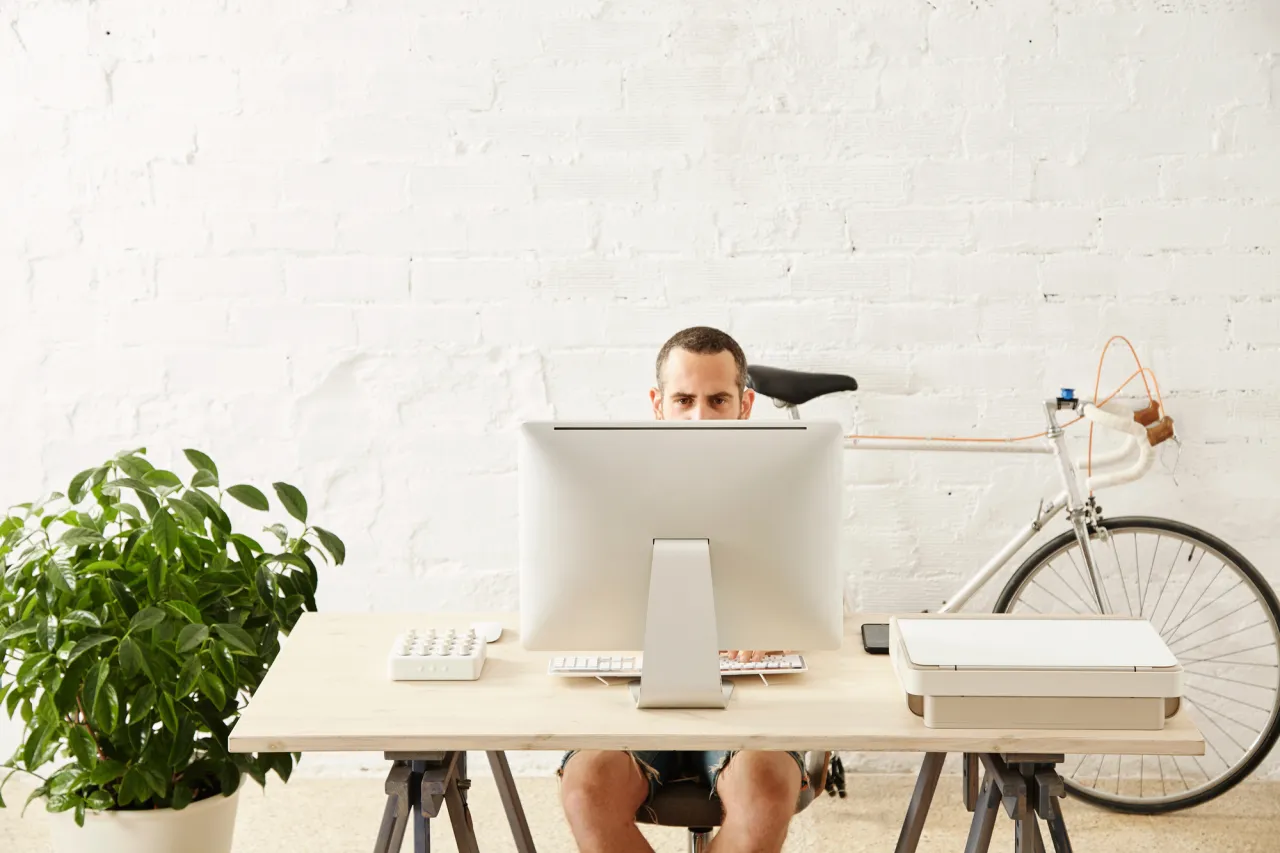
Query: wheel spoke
(1198, 599)
(1205, 607)
(1172, 564)
(1206, 711)
(1223, 658)
(1232, 680)
(1083, 600)
(1123, 586)
(1216, 621)
(1249, 627)
(1230, 698)
(1055, 598)
(1219, 692)
(1185, 587)
(1083, 575)
(1151, 569)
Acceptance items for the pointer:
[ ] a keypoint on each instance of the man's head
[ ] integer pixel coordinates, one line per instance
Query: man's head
(702, 375)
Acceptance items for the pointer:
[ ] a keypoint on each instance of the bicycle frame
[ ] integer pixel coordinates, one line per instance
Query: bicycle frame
(1069, 499)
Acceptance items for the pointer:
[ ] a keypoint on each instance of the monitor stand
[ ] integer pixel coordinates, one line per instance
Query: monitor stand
(681, 667)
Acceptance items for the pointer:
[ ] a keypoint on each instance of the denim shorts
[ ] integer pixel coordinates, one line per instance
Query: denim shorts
(661, 766)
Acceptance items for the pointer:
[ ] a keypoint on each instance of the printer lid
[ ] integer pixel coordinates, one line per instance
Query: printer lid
(1030, 643)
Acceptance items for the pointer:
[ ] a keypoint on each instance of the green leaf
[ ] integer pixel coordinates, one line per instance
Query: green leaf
(266, 590)
(280, 532)
(133, 787)
(81, 617)
(93, 682)
(161, 477)
(61, 575)
(148, 617)
(164, 532)
(191, 637)
(156, 571)
(214, 688)
(236, 637)
(31, 667)
(114, 487)
(243, 546)
(294, 503)
(149, 503)
(203, 479)
(130, 656)
(35, 744)
(132, 463)
(106, 707)
(141, 703)
(154, 780)
(184, 609)
(181, 797)
(187, 678)
(47, 632)
(188, 511)
(124, 597)
(75, 492)
(223, 663)
(65, 781)
(282, 763)
(200, 461)
(106, 772)
(19, 629)
(87, 643)
(78, 536)
(81, 745)
(288, 559)
(250, 497)
(332, 544)
(100, 567)
(210, 508)
(99, 801)
(168, 713)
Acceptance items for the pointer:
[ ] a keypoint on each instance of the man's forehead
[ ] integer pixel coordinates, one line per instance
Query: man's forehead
(684, 361)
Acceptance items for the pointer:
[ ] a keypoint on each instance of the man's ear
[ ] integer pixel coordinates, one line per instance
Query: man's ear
(655, 397)
(748, 400)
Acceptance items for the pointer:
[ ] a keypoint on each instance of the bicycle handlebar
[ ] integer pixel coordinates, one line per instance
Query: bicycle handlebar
(1137, 433)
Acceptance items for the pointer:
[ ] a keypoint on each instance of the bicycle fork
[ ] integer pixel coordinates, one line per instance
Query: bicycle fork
(1077, 508)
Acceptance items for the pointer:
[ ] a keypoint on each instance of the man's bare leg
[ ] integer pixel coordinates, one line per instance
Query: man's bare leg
(601, 792)
(759, 792)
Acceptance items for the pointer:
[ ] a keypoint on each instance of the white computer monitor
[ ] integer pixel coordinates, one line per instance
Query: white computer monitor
(680, 538)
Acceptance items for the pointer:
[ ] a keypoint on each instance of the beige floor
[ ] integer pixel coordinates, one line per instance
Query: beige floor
(328, 816)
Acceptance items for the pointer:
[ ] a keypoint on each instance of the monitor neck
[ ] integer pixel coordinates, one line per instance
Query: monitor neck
(681, 654)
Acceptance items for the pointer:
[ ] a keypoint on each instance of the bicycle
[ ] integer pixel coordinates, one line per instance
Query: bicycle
(1232, 681)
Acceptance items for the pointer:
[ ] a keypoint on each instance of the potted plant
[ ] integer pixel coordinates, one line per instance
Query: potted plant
(134, 623)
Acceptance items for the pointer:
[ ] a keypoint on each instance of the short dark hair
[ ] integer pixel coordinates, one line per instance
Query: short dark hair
(704, 340)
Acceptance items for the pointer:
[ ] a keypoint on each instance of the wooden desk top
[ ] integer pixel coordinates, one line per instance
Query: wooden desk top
(328, 691)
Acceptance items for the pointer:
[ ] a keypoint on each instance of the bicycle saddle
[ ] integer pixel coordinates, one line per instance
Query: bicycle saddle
(795, 387)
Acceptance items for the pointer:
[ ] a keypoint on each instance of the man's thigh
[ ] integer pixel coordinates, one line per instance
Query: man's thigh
(715, 762)
(655, 766)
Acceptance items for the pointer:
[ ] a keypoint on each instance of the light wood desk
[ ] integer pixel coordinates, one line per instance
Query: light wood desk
(328, 691)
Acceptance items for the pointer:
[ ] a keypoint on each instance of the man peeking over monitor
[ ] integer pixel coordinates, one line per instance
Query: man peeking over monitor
(701, 375)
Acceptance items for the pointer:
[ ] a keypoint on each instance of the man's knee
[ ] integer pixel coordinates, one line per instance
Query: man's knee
(596, 785)
(760, 782)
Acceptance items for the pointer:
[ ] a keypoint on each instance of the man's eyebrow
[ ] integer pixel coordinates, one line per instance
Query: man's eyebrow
(691, 394)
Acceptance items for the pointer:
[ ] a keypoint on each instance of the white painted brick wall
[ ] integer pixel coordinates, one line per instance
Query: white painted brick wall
(352, 245)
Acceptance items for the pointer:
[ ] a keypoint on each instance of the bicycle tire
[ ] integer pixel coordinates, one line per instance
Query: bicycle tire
(1237, 773)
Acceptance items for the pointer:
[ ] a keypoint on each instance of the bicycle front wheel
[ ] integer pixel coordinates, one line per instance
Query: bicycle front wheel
(1219, 617)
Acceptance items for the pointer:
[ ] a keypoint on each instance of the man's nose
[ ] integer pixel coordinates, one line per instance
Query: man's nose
(700, 413)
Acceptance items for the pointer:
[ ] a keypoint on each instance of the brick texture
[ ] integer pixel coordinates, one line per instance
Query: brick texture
(352, 245)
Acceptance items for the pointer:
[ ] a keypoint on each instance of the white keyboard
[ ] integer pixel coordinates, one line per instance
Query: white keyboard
(629, 666)
(436, 654)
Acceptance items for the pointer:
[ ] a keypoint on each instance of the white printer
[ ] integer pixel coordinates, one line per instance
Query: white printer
(1004, 671)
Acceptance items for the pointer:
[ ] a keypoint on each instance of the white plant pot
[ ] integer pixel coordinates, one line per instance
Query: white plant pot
(205, 826)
